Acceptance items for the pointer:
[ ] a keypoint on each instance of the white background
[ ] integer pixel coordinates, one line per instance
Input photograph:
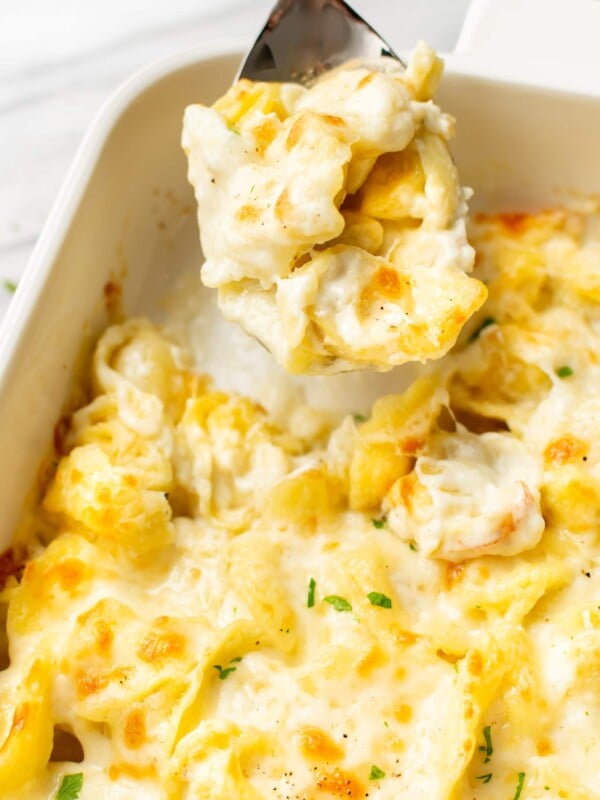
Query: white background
(61, 59)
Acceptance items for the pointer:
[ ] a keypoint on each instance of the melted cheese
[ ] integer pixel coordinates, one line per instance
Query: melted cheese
(332, 219)
(404, 606)
(469, 495)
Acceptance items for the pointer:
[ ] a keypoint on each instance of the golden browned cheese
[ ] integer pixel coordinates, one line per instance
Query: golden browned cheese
(214, 605)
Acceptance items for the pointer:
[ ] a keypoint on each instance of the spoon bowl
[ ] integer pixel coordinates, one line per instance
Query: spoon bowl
(304, 38)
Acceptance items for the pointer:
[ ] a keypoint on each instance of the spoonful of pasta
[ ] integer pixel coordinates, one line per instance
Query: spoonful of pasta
(330, 210)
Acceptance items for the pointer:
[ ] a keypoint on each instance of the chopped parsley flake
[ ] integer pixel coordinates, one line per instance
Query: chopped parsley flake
(485, 778)
(378, 599)
(224, 672)
(70, 786)
(487, 748)
(379, 523)
(521, 780)
(564, 371)
(339, 603)
(413, 546)
(485, 324)
(10, 286)
(310, 599)
(359, 418)
(376, 773)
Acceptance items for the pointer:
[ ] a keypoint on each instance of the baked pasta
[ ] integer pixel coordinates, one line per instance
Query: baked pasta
(215, 606)
(332, 218)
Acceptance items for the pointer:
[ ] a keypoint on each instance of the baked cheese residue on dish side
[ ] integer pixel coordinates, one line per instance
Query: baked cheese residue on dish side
(406, 606)
(332, 218)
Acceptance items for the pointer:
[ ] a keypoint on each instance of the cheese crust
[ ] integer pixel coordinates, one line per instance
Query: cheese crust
(405, 606)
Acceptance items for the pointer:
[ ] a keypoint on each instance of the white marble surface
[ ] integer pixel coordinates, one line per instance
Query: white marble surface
(60, 59)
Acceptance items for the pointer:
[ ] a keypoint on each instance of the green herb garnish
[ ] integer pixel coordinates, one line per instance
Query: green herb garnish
(379, 523)
(485, 778)
(359, 418)
(521, 780)
(564, 372)
(339, 603)
(413, 546)
(70, 786)
(225, 671)
(488, 748)
(485, 324)
(10, 286)
(378, 599)
(310, 599)
(376, 773)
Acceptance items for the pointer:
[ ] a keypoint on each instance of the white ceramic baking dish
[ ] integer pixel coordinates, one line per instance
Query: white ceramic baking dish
(126, 211)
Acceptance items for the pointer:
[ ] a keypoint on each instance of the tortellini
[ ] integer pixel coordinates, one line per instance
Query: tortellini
(332, 218)
(469, 496)
(401, 605)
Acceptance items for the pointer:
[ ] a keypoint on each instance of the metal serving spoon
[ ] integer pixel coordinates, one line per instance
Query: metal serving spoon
(304, 38)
